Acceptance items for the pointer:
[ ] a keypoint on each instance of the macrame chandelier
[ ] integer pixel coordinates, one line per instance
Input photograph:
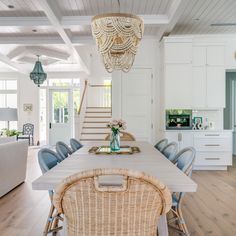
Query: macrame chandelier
(117, 37)
(38, 75)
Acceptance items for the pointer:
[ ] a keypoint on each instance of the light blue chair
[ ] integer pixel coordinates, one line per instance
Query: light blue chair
(63, 150)
(161, 144)
(47, 160)
(170, 150)
(75, 144)
(184, 160)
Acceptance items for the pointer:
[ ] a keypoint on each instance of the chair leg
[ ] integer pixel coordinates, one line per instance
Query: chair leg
(49, 221)
(182, 221)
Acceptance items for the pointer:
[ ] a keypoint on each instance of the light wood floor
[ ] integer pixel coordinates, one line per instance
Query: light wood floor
(210, 211)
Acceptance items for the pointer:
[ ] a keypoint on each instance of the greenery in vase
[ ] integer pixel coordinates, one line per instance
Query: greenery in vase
(116, 125)
(10, 132)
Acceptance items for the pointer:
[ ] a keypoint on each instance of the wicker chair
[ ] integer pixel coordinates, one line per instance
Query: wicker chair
(47, 160)
(125, 136)
(130, 209)
(170, 150)
(161, 144)
(184, 160)
(75, 144)
(63, 150)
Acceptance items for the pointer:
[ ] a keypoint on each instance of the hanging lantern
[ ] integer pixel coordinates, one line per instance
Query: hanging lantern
(38, 75)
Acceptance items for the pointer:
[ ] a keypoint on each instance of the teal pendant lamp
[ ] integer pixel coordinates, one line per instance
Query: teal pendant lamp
(38, 75)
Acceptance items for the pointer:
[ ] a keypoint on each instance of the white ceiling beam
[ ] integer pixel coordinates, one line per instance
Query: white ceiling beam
(24, 21)
(13, 65)
(17, 53)
(174, 12)
(52, 53)
(31, 40)
(53, 16)
(69, 21)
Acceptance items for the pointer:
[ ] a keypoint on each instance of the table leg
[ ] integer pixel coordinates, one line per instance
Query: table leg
(162, 226)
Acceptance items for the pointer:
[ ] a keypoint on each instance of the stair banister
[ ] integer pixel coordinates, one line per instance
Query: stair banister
(81, 111)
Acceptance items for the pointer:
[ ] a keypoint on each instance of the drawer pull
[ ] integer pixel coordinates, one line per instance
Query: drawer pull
(212, 135)
(212, 145)
(212, 159)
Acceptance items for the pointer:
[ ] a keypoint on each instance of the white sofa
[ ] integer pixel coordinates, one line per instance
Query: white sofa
(13, 162)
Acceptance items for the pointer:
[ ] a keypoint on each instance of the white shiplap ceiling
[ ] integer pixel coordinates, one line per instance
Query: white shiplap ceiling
(198, 15)
(62, 25)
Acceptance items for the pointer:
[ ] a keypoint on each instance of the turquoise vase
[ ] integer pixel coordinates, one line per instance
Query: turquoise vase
(115, 141)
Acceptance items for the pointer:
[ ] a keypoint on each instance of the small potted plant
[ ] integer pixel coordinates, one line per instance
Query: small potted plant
(116, 126)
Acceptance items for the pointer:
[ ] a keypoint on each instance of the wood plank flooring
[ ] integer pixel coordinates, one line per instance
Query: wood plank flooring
(209, 211)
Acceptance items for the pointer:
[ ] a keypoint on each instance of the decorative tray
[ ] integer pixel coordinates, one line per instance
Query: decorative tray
(107, 150)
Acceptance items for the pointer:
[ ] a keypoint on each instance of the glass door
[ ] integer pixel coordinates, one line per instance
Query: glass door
(60, 116)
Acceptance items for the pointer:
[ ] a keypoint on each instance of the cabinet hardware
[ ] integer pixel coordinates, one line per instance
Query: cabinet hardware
(179, 137)
(212, 145)
(212, 159)
(212, 135)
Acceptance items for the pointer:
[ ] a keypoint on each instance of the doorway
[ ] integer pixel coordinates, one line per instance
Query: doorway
(230, 108)
(60, 115)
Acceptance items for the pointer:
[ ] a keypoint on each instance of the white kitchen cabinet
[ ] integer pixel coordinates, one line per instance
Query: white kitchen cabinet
(215, 86)
(208, 76)
(213, 149)
(199, 87)
(178, 52)
(215, 55)
(182, 138)
(178, 86)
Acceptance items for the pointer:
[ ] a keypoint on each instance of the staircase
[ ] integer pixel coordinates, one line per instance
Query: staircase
(94, 125)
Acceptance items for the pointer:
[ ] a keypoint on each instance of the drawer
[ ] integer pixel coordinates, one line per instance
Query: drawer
(213, 158)
(213, 144)
(213, 135)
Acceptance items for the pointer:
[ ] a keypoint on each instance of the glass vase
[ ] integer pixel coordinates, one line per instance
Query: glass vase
(115, 141)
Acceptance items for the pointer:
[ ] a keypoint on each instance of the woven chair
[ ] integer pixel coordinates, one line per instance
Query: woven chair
(47, 160)
(130, 209)
(184, 160)
(63, 150)
(124, 136)
(161, 144)
(75, 144)
(170, 150)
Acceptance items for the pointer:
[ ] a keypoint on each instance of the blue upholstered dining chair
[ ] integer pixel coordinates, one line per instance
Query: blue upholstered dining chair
(161, 144)
(75, 144)
(184, 160)
(63, 150)
(47, 160)
(170, 150)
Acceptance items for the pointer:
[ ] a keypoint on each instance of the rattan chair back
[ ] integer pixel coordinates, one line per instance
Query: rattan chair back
(130, 209)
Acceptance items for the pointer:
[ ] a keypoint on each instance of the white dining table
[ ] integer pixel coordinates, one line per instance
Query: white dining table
(149, 160)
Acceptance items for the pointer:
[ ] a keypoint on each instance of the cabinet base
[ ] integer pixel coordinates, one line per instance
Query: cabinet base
(210, 167)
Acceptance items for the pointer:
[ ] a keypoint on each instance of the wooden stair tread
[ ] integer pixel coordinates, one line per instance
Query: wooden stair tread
(104, 122)
(93, 133)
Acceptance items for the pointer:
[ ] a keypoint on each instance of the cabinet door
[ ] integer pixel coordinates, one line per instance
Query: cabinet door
(215, 86)
(178, 86)
(199, 55)
(187, 139)
(180, 52)
(199, 86)
(216, 55)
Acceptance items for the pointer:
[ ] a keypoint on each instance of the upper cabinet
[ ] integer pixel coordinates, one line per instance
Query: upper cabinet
(194, 75)
(178, 53)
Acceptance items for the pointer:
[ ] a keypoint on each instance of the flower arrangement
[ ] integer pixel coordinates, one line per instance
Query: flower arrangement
(116, 125)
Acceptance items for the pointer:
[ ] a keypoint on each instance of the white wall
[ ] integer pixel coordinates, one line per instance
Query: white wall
(147, 57)
(28, 92)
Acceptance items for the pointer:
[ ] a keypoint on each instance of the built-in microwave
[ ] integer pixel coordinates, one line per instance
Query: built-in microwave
(178, 121)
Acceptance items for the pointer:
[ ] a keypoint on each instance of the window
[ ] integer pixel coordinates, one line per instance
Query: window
(8, 98)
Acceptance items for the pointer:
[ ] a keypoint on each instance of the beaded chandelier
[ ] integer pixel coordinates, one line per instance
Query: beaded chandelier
(117, 36)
